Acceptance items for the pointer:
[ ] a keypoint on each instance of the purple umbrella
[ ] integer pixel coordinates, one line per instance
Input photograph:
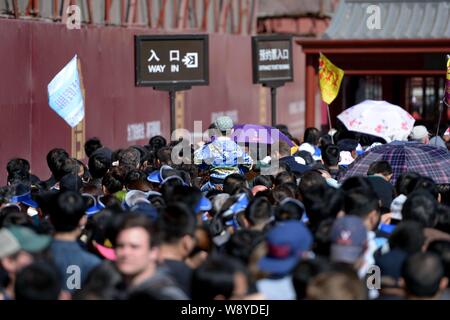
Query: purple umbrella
(254, 133)
(424, 159)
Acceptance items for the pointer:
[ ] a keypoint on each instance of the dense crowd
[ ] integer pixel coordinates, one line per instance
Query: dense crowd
(147, 222)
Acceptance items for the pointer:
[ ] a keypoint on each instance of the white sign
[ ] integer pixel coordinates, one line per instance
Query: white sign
(273, 54)
(191, 60)
(65, 96)
(153, 56)
(174, 55)
(141, 131)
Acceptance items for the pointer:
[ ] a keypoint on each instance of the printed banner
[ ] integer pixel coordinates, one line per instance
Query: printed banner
(65, 95)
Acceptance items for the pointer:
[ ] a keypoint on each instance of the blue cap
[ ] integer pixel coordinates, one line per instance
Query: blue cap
(240, 205)
(158, 176)
(203, 205)
(300, 207)
(154, 177)
(349, 239)
(286, 243)
(164, 174)
(387, 228)
(96, 206)
(147, 209)
(94, 209)
(25, 199)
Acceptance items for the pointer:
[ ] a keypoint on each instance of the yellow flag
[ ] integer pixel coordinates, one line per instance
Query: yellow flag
(330, 78)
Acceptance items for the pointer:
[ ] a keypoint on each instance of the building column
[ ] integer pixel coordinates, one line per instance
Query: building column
(310, 91)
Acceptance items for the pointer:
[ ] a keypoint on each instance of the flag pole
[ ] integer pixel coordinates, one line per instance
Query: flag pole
(329, 123)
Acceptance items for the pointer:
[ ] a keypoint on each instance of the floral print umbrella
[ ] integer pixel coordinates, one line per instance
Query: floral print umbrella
(378, 118)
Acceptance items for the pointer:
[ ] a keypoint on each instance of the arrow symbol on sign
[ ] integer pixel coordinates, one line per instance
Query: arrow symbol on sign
(191, 60)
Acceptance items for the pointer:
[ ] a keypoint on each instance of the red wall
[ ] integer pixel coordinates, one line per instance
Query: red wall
(32, 53)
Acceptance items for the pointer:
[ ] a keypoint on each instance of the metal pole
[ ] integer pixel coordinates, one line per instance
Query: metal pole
(172, 111)
(273, 95)
(329, 122)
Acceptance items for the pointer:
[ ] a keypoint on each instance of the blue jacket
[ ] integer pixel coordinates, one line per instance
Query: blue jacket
(224, 157)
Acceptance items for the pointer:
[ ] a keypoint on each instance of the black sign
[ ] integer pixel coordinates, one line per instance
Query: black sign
(168, 61)
(272, 59)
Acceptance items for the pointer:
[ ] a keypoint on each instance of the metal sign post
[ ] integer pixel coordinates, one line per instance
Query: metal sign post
(272, 65)
(172, 63)
(273, 99)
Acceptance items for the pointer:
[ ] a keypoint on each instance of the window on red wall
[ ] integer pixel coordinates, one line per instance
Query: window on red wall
(423, 97)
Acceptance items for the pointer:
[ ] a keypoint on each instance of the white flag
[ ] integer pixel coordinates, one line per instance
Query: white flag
(65, 96)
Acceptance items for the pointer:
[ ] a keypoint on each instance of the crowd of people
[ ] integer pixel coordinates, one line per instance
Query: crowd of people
(135, 224)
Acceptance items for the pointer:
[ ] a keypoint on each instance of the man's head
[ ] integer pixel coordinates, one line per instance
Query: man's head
(137, 180)
(219, 278)
(92, 145)
(284, 149)
(99, 165)
(70, 182)
(290, 209)
(246, 245)
(421, 207)
(423, 276)
(224, 124)
(17, 246)
(442, 248)
(407, 236)
(67, 211)
(191, 197)
(311, 136)
(259, 213)
(330, 155)
(265, 181)
(18, 170)
(382, 168)
(66, 166)
(285, 177)
(406, 182)
(310, 180)
(287, 243)
(420, 134)
(136, 246)
(349, 240)
(177, 226)
(130, 157)
(348, 146)
(113, 181)
(38, 281)
(428, 185)
(55, 157)
(336, 286)
(157, 142)
(305, 272)
(164, 156)
(233, 183)
(363, 203)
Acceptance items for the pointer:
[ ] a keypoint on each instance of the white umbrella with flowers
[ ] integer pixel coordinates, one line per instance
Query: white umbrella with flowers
(378, 118)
